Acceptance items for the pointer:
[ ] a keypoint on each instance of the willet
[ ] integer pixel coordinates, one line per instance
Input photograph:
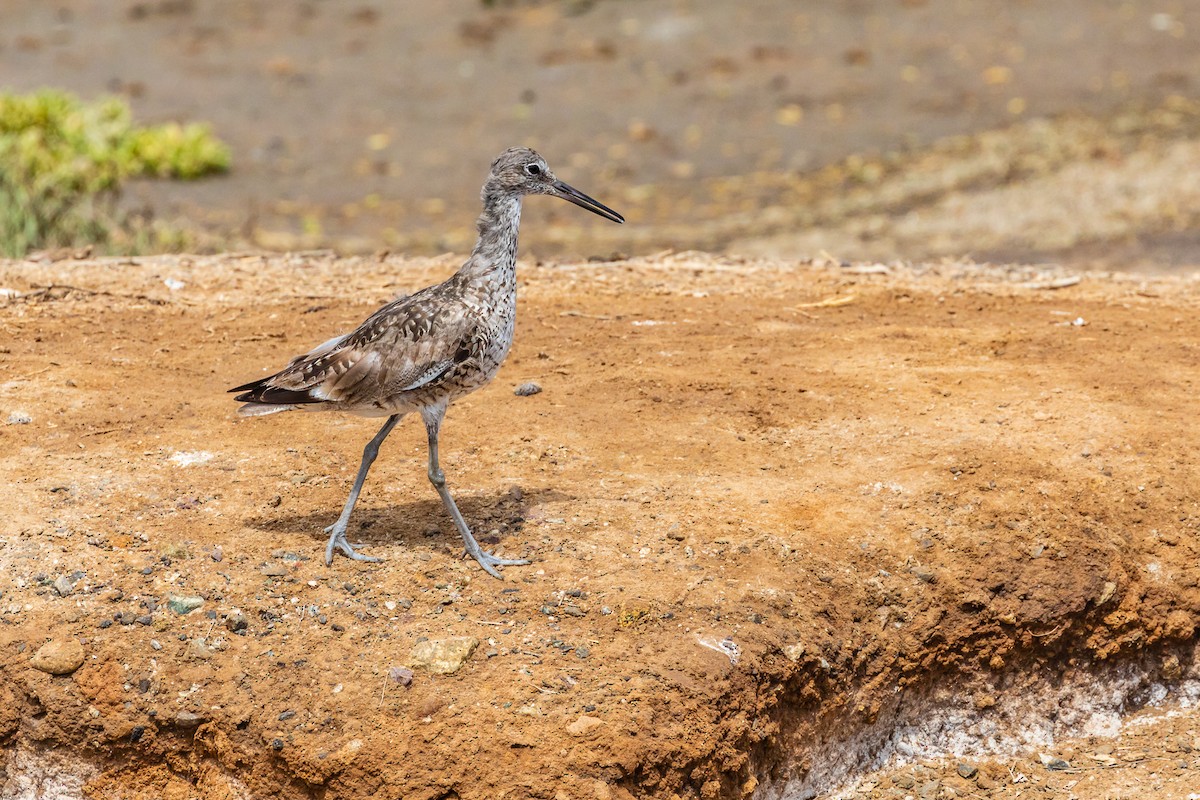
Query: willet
(422, 352)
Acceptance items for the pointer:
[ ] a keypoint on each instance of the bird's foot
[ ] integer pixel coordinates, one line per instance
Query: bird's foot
(337, 541)
(489, 562)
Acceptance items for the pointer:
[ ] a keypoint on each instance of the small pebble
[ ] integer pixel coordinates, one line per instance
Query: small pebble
(147, 570)
(1053, 762)
(144, 619)
(58, 657)
(217, 553)
(527, 389)
(582, 652)
(286, 715)
(184, 604)
(63, 585)
(188, 719)
(322, 619)
(144, 685)
(337, 627)
(106, 623)
(236, 623)
(154, 644)
(401, 675)
(277, 744)
(135, 735)
(967, 771)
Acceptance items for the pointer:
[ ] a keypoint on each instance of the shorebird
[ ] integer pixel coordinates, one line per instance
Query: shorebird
(422, 352)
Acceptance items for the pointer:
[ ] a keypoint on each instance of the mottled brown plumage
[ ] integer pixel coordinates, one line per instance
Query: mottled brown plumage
(422, 352)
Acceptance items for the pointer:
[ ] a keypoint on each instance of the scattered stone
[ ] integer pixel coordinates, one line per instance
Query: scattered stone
(155, 644)
(966, 770)
(582, 652)
(274, 570)
(444, 656)
(1106, 593)
(58, 657)
(924, 575)
(794, 652)
(21, 418)
(286, 715)
(105, 623)
(1053, 762)
(573, 611)
(401, 675)
(322, 619)
(584, 725)
(144, 619)
(184, 604)
(236, 623)
(135, 735)
(63, 585)
(527, 389)
(338, 627)
(188, 719)
(144, 685)
(904, 781)
(277, 744)
(217, 554)
(1172, 670)
(929, 791)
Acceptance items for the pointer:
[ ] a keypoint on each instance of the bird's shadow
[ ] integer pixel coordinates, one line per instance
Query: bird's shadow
(420, 523)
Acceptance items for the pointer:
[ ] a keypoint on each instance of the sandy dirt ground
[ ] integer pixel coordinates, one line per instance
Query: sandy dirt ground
(775, 512)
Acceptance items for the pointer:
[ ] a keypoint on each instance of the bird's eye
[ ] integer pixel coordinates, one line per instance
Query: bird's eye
(533, 169)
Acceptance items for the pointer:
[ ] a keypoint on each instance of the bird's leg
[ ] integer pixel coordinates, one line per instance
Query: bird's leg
(337, 531)
(433, 422)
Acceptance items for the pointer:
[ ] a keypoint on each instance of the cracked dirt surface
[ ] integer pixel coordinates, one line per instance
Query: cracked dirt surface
(765, 502)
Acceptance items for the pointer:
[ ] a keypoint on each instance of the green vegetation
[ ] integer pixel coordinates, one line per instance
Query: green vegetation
(63, 161)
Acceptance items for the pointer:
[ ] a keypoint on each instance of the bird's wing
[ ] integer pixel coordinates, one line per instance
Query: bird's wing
(407, 344)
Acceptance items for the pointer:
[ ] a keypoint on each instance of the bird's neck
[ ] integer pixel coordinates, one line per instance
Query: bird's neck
(495, 254)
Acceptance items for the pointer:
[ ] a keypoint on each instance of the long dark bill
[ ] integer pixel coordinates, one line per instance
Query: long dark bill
(573, 195)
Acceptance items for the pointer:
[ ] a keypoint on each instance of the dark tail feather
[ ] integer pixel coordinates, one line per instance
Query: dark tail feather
(261, 391)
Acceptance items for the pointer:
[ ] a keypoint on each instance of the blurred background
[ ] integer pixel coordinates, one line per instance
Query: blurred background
(1064, 131)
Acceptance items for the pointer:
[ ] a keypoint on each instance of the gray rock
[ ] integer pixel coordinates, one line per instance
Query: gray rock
(966, 770)
(1053, 762)
(527, 389)
(63, 585)
(184, 604)
(188, 719)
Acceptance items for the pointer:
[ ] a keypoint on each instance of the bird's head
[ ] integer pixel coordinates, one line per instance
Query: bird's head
(521, 171)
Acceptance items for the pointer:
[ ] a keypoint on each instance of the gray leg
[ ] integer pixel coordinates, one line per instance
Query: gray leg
(337, 531)
(433, 421)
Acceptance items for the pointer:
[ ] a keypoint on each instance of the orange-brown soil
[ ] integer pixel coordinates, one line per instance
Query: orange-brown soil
(767, 504)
